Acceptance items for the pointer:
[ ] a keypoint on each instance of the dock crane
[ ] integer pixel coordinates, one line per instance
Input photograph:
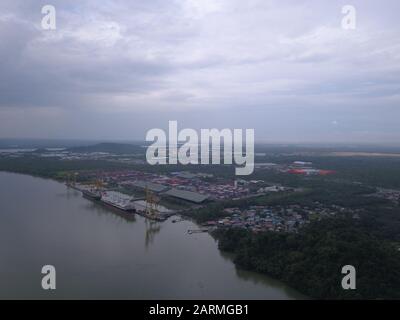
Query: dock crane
(97, 185)
(151, 204)
(71, 179)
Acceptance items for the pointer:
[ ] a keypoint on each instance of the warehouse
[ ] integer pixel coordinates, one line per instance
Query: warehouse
(187, 195)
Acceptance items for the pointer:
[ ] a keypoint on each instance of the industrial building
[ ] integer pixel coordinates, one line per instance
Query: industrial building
(190, 196)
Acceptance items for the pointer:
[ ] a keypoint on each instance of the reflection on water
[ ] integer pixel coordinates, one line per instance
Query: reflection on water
(102, 210)
(152, 228)
(257, 278)
(100, 255)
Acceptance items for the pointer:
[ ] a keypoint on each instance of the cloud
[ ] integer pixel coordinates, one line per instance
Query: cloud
(151, 59)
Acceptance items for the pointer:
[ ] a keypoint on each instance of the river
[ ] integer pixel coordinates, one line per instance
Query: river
(99, 255)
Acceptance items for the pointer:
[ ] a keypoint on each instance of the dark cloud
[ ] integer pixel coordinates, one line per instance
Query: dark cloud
(285, 68)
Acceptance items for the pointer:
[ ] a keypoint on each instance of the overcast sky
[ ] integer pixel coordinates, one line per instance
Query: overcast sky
(115, 69)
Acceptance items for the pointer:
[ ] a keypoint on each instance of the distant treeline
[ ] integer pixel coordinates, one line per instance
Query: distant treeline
(54, 168)
(51, 166)
(374, 171)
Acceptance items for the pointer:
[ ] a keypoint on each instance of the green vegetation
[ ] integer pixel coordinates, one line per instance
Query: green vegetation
(311, 261)
(375, 171)
(54, 168)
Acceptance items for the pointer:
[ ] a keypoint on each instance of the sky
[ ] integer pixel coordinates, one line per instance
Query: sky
(285, 68)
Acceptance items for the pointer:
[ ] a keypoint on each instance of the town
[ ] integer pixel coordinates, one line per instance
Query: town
(277, 218)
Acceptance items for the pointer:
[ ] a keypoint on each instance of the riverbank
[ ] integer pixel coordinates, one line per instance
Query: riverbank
(313, 267)
(311, 261)
(99, 255)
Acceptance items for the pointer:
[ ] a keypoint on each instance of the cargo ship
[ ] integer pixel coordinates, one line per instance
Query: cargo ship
(144, 209)
(91, 194)
(118, 200)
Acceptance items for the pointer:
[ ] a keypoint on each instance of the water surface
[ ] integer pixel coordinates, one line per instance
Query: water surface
(99, 255)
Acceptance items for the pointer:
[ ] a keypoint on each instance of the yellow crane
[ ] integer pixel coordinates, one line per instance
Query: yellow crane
(151, 204)
(71, 178)
(97, 185)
